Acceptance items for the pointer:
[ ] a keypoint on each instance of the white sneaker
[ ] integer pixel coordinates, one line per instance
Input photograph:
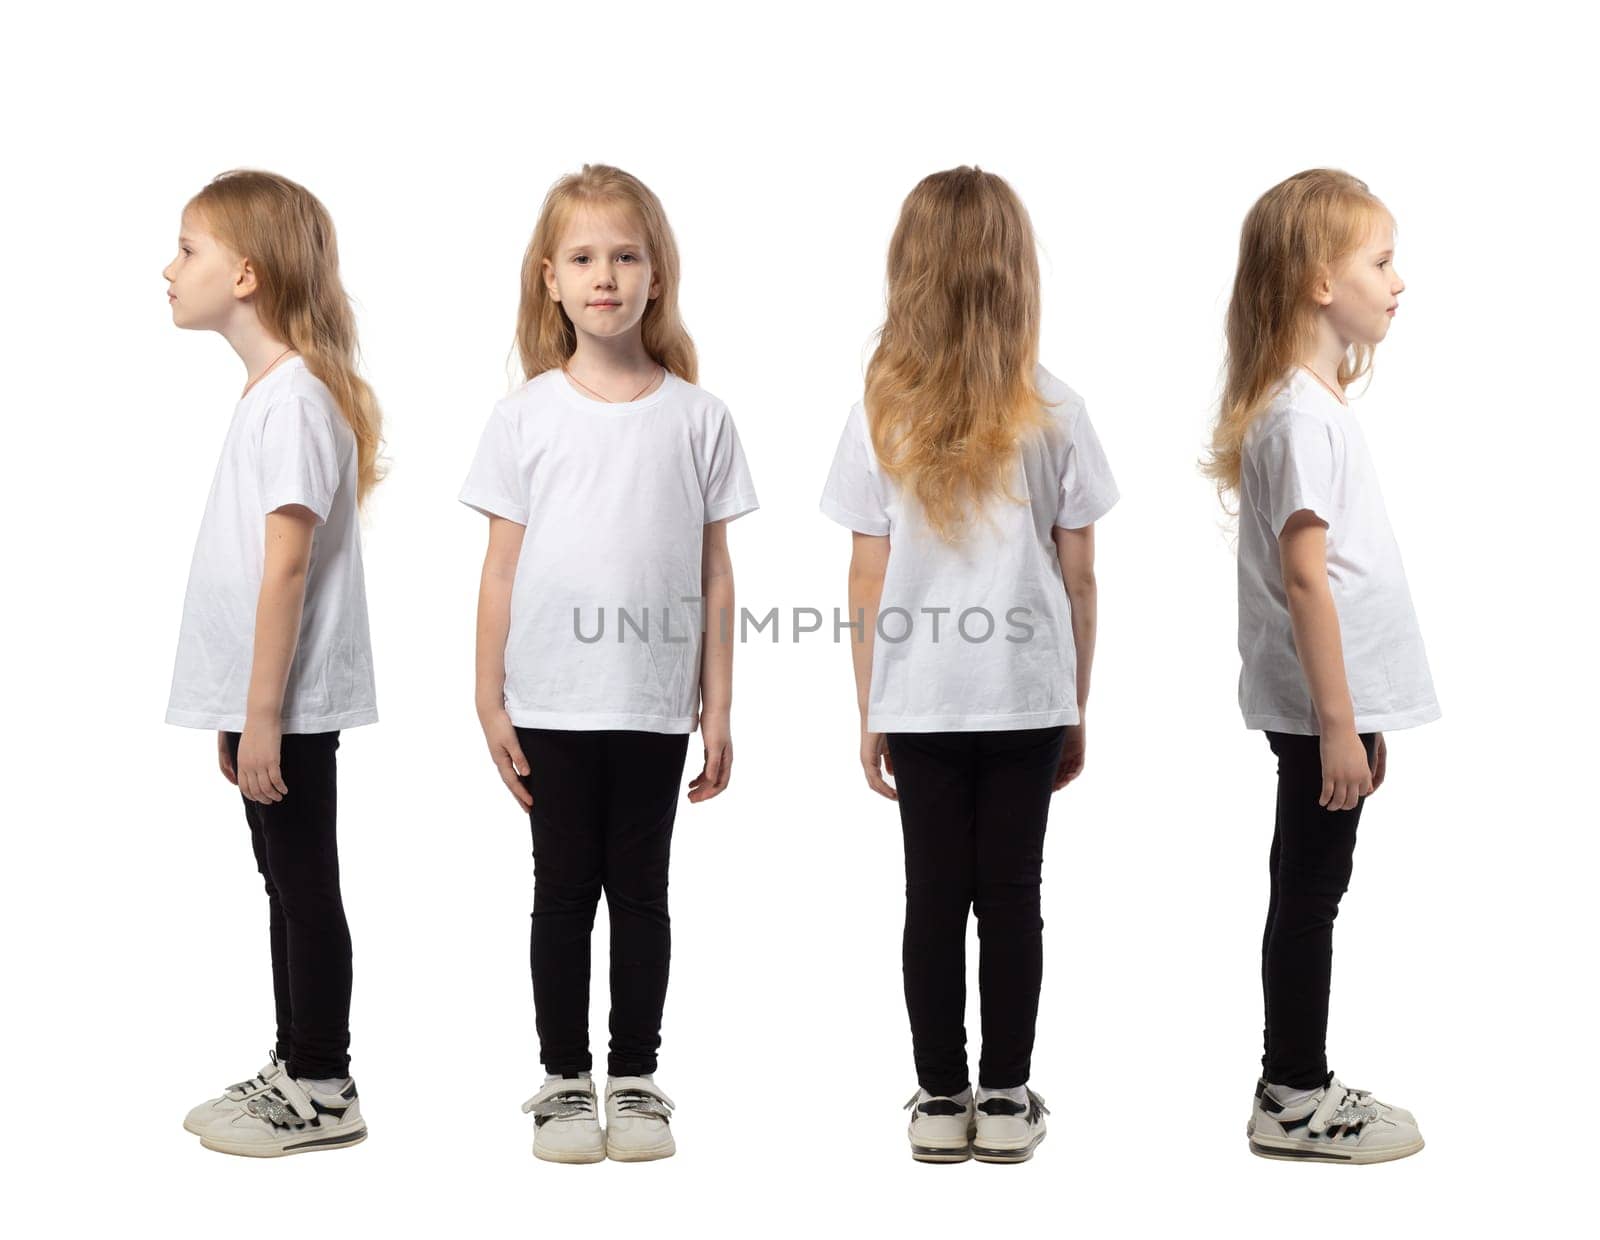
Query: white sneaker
(566, 1122)
(1334, 1124)
(638, 1116)
(1008, 1131)
(289, 1118)
(233, 1098)
(941, 1127)
(637, 1119)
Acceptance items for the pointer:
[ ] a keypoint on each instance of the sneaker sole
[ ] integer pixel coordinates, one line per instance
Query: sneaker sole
(309, 1145)
(1287, 1153)
(1002, 1154)
(570, 1157)
(650, 1154)
(941, 1153)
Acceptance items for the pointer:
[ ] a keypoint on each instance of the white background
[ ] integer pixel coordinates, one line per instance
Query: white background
(782, 144)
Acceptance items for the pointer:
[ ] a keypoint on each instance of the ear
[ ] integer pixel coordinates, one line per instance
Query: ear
(1322, 286)
(244, 280)
(655, 286)
(550, 284)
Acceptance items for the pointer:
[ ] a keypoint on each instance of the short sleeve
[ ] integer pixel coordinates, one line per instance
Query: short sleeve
(854, 493)
(298, 459)
(1295, 463)
(1088, 491)
(729, 491)
(496, 484)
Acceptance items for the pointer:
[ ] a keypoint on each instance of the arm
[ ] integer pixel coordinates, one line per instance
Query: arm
(278, 608)
(1075, 555)
(716, 663)
(869, 560)
(494, 623)
(1302, 551)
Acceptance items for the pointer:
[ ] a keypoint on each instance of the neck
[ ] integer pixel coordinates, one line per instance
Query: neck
(1326, 354)
(618, 359)
(256, 346)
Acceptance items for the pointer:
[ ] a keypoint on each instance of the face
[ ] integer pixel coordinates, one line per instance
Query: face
(601, 272)
(207, 281)
(1361, 297)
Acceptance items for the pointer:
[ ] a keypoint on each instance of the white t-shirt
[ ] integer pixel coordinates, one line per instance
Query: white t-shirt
(615, 498)
(1306, 450)
(1001, 657)
(287, 444)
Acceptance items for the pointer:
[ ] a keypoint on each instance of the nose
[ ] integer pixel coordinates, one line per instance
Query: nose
(604, 277)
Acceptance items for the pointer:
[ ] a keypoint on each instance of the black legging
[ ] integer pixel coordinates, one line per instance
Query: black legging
(603, 808)
(972, 811)
(297, 852)
(1312, 853)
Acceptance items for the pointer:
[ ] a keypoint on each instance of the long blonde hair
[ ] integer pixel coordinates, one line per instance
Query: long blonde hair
(545, 335)
(950, 389)
(1298, 230)
(288, 237)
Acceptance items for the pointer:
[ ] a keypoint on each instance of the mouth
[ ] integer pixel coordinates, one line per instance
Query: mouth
(605, 305)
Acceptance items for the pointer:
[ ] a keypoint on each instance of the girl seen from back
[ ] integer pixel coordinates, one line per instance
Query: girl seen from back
(1331, 651)
(605, 631)
(274, 652)
(971, 479)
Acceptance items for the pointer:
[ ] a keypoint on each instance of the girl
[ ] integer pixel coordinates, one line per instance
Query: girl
(1332, 657)
(972, 480)
(274, 651)
(608, 479)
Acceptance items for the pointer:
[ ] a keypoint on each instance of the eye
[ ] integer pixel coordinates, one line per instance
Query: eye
(1383, 262)
(630, 258)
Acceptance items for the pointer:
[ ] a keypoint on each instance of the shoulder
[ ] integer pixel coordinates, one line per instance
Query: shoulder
(1295, 414)
(530, 398)
(691, 398)
(705, 416)
(1063, 407)
(305, 400)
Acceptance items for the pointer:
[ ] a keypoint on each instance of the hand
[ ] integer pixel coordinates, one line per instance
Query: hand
(1346, 778)
(875, 748)
(225, 759)
(1071, 757)
(506, 753)
(1380, 763)
(718, 768)
(259, 776)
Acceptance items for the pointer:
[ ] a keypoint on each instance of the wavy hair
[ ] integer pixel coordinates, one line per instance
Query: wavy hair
(287, 235)
(950, 388)
(1297, 231)
(545, 335)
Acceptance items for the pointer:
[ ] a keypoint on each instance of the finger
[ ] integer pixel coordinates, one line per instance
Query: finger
(275, 775)
(1327, 793)
(518, 762)
(888, 761)
(247, 783)
(523, 796)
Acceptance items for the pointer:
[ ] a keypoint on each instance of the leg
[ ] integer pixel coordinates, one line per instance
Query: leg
(644, 778)
(277, 930)
(933, 773)
(1015, 774)
(567, 820)
(302, 855)
(1314, 851)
